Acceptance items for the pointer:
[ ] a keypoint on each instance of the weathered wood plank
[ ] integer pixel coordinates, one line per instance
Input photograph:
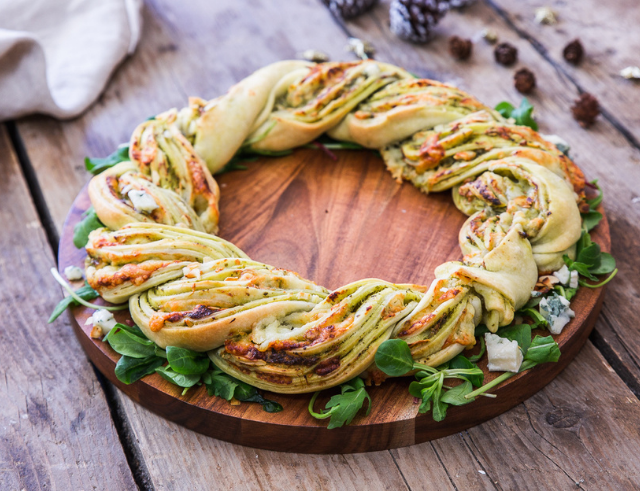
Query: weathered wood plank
(56, 431)
(607, 32)
(578, 432)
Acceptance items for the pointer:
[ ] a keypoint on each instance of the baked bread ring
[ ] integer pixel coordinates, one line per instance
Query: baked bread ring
(283, 333)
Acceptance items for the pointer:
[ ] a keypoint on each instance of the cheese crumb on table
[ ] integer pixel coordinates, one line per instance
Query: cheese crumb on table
(503, 355)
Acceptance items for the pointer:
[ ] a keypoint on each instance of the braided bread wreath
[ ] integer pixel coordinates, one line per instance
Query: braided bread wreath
(275, 330)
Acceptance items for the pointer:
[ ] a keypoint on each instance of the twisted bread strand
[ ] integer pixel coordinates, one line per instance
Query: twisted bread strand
(277, 331)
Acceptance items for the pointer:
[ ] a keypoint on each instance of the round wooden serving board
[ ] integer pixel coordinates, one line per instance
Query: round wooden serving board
(333, 222)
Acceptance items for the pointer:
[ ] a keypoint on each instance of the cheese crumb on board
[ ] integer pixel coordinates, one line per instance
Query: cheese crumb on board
(503, 355)
(73, 273)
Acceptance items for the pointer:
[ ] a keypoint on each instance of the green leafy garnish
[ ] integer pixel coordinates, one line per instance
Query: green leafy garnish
(522, 115)
(96, 165)
(186, 361)
(179, 379)
(222, 385)
(83, 228)
(394, 359)
(85, 293)
(591, 261)
(540, 350)
(128, 344)
(129, 370)
(342, 408)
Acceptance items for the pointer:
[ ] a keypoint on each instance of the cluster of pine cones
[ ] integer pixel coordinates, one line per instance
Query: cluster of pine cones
(412, 20)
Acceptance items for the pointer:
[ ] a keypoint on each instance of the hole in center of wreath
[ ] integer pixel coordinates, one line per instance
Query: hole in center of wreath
(336, 222)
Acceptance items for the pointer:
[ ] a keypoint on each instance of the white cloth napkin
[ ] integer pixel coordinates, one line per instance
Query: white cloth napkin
(57, 55)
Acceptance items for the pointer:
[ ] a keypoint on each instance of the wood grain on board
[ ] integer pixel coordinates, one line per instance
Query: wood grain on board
(202, 50)
(56, 430)
(331, 221)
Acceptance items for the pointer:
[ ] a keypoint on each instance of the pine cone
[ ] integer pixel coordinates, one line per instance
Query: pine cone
(585, 109)
(573, 52)
(348, 9)
(458, 4)
(414, 20)
(460, 48)
(506, 54)
(525, 80)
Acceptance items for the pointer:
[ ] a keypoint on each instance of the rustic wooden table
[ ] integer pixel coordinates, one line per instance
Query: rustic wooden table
(64, 428)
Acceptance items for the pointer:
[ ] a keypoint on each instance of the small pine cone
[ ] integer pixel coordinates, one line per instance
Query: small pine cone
(573, 52)
(458, 4)
(414, 20)
(506, 54)
(585, 109)
(348, 9)
(460, 48)
(525, 80)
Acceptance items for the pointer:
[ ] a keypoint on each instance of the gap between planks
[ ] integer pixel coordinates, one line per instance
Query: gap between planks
(132, 452)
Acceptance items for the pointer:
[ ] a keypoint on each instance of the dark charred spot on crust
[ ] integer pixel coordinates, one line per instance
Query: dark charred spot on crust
(202, 311)
(333, 296)
(271, 356)
(327, 366)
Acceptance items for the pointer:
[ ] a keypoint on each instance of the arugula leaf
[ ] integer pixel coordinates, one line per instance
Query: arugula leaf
(186, 361)
(521, 333)
(160, 352)
(129, 370)
(565, 291)
(342, 408)
(475, 358)
(522, 115)
(176, 378)
(591, 219)
(595, 202)
(605, 265)
(439, 411)
(85, 292)
(535, 315)
(96, 166)
(394, 358)
(542, 350)
(222, 385)
(455, 396)
(83, 228)
(461, 362)
(128, 344)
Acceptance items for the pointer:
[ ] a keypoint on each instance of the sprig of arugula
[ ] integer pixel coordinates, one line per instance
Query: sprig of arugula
(84, 227)
(523, 115)
(394, 359)
(98, 165)
(342, 408)
(590, 261)
(180, 366)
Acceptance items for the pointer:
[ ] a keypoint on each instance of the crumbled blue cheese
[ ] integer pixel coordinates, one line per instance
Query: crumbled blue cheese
(563, 275)
(73, 273)
(503, 355)
(142, 201)
(573, 282)
(555, 309)
(103, 321)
